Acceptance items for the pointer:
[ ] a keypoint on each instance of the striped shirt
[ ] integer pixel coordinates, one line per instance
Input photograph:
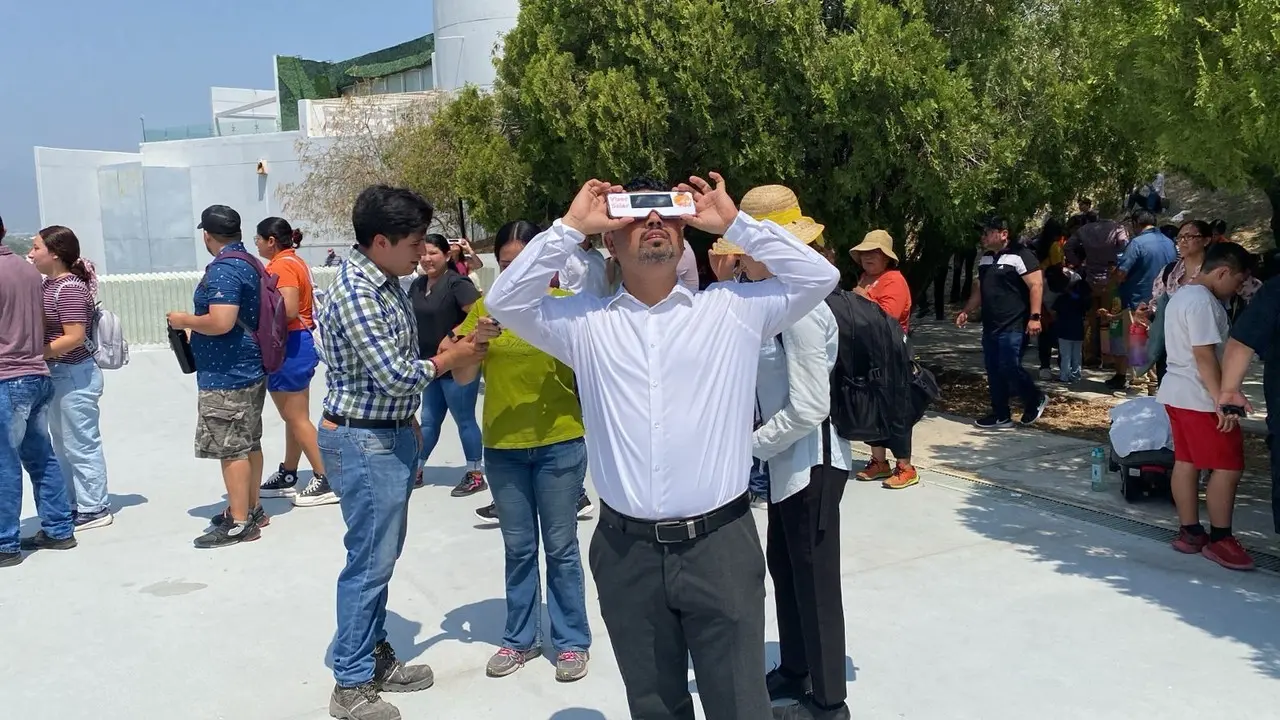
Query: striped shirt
(67, 301)
(370, 345)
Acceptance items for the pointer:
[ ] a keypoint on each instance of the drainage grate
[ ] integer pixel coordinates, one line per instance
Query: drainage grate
(1263, 559)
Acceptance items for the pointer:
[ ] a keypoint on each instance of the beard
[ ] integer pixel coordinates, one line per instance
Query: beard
(656, 255)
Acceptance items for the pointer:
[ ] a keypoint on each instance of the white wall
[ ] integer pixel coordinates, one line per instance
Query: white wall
(466, 34)
(69, 193)
(223, 171)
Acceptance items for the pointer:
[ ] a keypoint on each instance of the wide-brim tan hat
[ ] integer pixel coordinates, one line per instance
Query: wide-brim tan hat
(779, 204)
(877, 240)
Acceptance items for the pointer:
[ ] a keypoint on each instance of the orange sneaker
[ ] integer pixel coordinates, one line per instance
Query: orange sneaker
(901, 478)
(874, 471)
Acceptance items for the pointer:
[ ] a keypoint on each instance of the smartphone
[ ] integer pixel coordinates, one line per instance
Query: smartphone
(640, 204)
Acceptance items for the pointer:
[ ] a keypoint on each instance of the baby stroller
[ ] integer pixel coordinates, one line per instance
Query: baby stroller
(1141, 448)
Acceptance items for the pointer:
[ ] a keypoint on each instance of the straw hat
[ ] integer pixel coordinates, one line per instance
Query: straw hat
(779, 204)
(877, 240)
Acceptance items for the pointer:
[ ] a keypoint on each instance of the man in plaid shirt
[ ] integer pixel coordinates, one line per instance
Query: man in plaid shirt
(370, 439)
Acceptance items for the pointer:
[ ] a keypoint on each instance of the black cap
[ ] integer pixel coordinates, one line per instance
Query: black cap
(220, 220)
(995, 222)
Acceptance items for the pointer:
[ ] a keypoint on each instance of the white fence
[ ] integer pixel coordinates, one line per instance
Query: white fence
(143, 300)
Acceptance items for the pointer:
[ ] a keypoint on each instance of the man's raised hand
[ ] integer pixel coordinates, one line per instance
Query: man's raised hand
(589, 212)
(715, 209)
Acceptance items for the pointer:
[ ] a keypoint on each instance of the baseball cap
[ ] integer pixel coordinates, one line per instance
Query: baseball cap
(995, 222)
(220, 220)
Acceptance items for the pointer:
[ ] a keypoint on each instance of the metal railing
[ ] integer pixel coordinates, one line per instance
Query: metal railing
(142, 300)
(209, 130)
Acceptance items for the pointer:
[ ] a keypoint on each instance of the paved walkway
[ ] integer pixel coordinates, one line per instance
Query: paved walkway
(961, 605)
(941, 342)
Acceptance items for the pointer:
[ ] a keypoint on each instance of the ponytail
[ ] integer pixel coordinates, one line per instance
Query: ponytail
(297, 238)
(85, 270)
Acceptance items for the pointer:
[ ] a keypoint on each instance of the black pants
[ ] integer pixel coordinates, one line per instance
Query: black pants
(665, 604)
(962, 262)
(1048, 342)
(804, 560)
(899, 447)
(1273, 444)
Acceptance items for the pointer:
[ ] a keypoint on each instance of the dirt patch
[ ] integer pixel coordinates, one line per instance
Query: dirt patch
(965, 394)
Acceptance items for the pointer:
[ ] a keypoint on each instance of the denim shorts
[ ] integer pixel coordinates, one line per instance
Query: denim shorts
(300, 360)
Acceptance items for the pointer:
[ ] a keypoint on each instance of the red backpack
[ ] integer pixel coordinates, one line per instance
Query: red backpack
(272, 333)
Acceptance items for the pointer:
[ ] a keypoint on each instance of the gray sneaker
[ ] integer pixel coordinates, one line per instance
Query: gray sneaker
(391, 675)
(506, 661)
(572, 665)
(360, 703)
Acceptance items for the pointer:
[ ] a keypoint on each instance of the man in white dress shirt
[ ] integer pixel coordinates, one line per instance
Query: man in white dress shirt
(586, 271)
(667, 378)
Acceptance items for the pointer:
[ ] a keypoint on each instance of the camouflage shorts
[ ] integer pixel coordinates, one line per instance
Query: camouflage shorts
(229, 422)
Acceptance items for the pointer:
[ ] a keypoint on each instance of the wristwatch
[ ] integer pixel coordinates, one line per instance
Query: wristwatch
(1035, 316)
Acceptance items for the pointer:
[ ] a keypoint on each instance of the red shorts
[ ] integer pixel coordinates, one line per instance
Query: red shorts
(1197, 440)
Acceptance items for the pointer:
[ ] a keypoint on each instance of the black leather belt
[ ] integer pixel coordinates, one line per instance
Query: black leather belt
(677, 531)
(360, 424)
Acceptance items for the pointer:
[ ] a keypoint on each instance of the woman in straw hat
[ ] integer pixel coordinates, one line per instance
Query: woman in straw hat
(882, 283)
(802, 466)
(676, 555)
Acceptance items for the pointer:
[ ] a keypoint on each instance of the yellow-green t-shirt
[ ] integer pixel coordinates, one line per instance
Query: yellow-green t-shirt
(529, 400)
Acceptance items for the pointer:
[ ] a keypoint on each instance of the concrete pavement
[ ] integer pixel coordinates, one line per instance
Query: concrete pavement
(960, 603)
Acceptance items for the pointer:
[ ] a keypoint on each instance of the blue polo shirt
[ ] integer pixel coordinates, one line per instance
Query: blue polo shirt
(1143, 259)
(232, 360)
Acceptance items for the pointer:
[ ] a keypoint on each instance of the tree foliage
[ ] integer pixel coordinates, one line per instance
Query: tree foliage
(918, 115)
(1206, 77)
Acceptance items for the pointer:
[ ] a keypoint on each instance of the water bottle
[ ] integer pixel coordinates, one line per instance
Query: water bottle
(1098, 459)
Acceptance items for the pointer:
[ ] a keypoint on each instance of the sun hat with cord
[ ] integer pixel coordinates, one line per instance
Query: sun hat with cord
(779, 204)
(876, 240)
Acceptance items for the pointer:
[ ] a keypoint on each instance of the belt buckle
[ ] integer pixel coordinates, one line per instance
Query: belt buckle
(689, 531)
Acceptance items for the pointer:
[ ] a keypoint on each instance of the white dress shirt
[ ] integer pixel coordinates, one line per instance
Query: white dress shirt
(794, 392)
(668, 392)
(585, 273)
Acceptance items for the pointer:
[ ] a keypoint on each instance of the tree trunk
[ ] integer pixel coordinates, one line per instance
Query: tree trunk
(1272, 189)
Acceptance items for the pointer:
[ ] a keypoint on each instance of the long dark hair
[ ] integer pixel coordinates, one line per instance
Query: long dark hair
(280, 232)
(439, 241)
(521, 231)
(1049, 235)
(63, 243)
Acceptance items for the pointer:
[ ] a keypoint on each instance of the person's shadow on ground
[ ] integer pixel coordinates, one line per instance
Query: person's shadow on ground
(480, 622)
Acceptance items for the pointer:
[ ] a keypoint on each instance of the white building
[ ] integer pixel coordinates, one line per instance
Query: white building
(137, 212)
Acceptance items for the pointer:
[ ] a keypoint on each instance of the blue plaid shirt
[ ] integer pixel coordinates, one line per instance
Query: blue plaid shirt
(369, 340)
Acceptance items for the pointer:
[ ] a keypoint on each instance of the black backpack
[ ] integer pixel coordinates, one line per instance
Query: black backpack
(872, 378)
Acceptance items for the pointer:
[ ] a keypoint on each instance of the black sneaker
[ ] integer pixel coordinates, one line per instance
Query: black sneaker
(1117, 382)
(585, 508)
(259, 516)
(808, 709)
(280, 484)
(89, 521)
(10, 559)
(472, 483)
(227, 535)
(991, 422)
(41, 541)
(391, 675)
(316, 493)
(1032, 414)
(360, 703)
(488, 513)
(782, 685)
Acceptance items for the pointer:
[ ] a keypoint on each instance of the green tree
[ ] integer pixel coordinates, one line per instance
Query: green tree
(1203, 76)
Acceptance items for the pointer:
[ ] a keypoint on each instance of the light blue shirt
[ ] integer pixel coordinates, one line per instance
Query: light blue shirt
(793, 387)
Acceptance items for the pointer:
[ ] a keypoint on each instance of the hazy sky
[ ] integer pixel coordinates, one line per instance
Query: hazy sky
(79, 73)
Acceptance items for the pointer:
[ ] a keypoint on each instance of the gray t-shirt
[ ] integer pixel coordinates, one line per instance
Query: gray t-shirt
(21, 317)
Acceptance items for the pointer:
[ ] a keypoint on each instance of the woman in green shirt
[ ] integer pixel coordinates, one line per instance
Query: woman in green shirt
(536, 461)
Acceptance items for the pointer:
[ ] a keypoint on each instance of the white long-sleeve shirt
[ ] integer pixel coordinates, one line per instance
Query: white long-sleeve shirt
(585, 273)
(668, 391)
(794, 392)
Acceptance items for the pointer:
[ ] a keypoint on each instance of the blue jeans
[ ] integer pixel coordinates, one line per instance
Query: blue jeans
(1070, 354)
(758, 483)
(372, 473)
(73, 427)
(532, 488)
(1002, 353)
(24, 443)
(446, 395)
